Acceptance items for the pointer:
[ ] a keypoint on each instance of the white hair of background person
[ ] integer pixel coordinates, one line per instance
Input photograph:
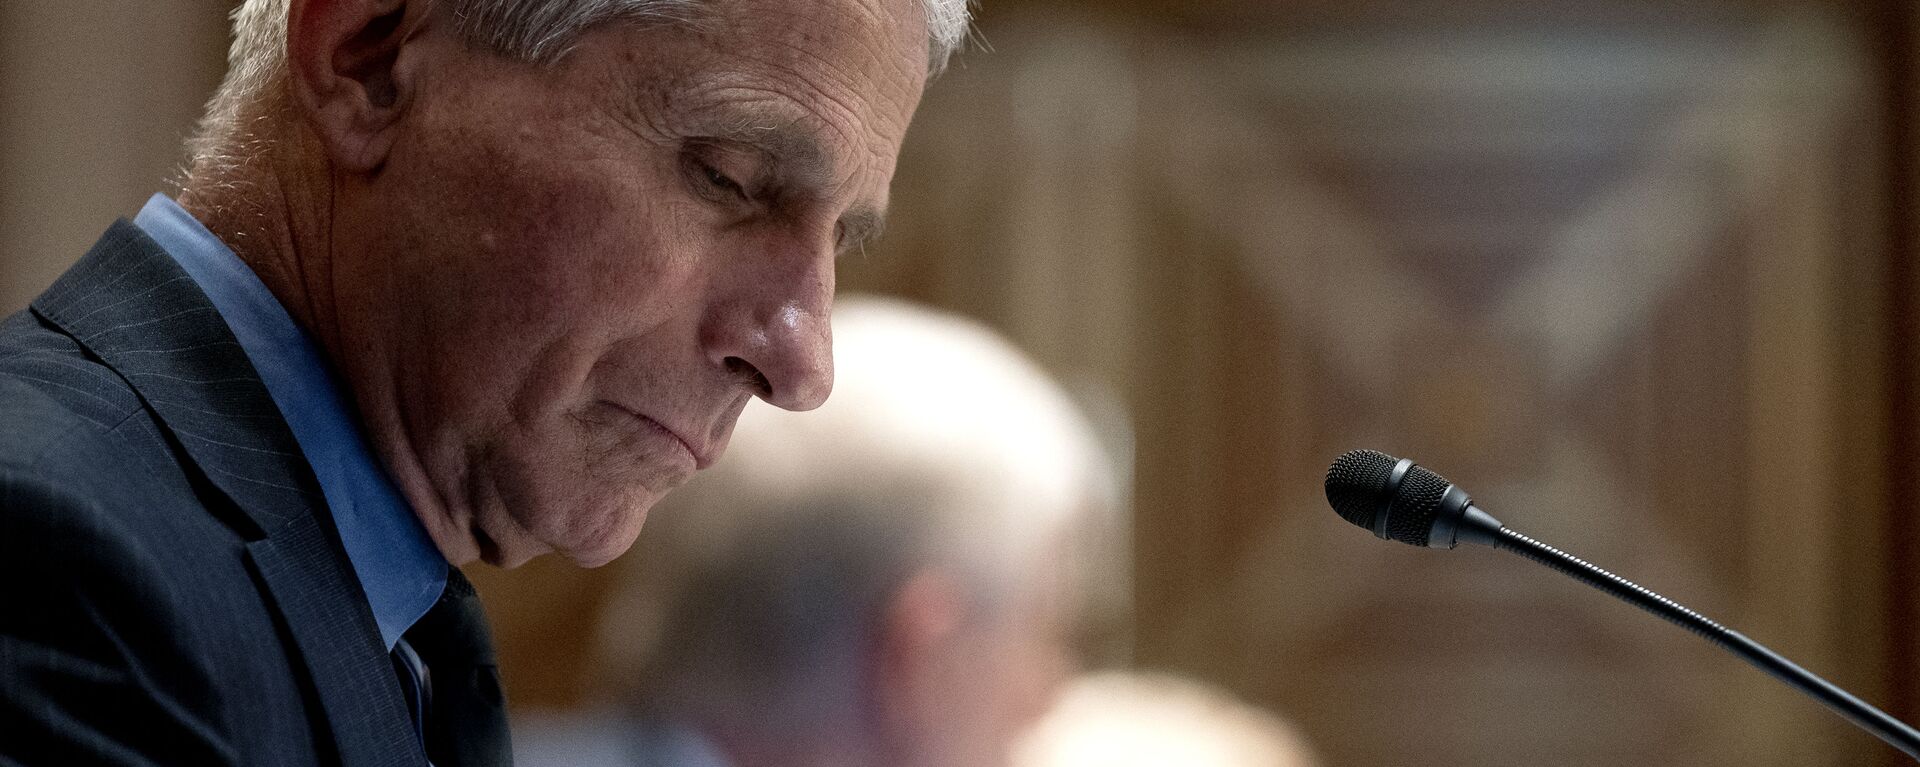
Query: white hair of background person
(1122, 719)
(530, 30)
(942, 446)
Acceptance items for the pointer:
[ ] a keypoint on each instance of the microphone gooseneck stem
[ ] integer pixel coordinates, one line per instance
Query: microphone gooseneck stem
(1895, 732)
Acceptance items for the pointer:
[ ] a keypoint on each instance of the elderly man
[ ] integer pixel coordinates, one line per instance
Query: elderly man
(450, 280)
(889, 582)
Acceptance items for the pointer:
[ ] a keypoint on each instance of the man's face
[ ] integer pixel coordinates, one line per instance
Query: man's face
(567, 280)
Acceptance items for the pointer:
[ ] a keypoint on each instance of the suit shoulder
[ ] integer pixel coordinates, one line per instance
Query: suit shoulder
(52, 392)
(74, 434)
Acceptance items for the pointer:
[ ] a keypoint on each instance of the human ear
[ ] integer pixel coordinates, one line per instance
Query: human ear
(917, 626)
(350, 74)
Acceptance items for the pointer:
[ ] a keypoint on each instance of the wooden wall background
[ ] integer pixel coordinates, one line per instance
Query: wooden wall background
(1618, 269)
(96, 97)
(1639, 273)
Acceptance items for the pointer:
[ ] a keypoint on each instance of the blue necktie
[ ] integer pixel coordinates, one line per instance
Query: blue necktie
(418, 686)
(446, 663)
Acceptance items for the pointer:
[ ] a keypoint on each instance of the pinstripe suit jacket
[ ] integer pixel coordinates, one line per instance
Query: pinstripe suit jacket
(172, 591)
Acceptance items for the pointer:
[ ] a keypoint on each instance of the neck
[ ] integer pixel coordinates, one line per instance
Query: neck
(277, 229)
(274, 208)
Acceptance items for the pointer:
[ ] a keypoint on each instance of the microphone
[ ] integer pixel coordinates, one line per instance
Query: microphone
(1398, 500)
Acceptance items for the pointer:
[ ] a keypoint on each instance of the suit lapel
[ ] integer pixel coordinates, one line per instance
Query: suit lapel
(358, 688)
(131, 305)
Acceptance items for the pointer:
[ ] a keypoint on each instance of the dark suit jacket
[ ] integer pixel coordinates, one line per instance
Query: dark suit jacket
(172, 589)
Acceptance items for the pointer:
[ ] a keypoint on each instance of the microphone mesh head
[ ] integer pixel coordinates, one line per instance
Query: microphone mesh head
(1354, 484)
(1357, 480)
(1410, 519)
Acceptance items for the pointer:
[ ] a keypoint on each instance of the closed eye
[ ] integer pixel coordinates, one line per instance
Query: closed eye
(705, 176)
(721, 183)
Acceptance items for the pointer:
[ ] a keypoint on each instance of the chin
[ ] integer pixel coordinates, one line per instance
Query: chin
(599, 556)
(598, 544)
(588, 512)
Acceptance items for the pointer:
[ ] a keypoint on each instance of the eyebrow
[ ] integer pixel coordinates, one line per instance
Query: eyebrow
(861, 225)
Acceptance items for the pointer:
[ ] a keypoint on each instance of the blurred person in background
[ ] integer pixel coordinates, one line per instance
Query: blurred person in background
(891, 581)
(454, 281)
(1117, 719)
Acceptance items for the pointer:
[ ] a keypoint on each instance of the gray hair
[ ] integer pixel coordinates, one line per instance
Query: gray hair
(529, 30)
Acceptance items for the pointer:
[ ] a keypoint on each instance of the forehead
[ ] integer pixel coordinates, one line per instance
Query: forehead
(848, 71)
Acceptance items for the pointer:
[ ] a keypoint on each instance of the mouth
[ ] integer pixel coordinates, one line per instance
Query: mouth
(701, 454)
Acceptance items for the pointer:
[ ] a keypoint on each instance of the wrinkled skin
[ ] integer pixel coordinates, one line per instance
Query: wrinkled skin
(551, 288)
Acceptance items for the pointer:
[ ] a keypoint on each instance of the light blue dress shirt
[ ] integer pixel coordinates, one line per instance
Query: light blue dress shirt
(398, 566)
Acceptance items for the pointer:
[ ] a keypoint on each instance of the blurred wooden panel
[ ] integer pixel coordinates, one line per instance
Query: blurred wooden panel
(1604, 268)
(96, 98)
(1898, 44)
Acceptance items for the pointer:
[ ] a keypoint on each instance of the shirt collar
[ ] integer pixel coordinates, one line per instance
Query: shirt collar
(398, 567)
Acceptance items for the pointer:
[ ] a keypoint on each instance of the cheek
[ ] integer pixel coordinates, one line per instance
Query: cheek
(513, 271)
(517, 255)
(539, 252)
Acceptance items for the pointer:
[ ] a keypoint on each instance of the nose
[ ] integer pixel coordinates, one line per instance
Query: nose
(775, 336)
(787, 359)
